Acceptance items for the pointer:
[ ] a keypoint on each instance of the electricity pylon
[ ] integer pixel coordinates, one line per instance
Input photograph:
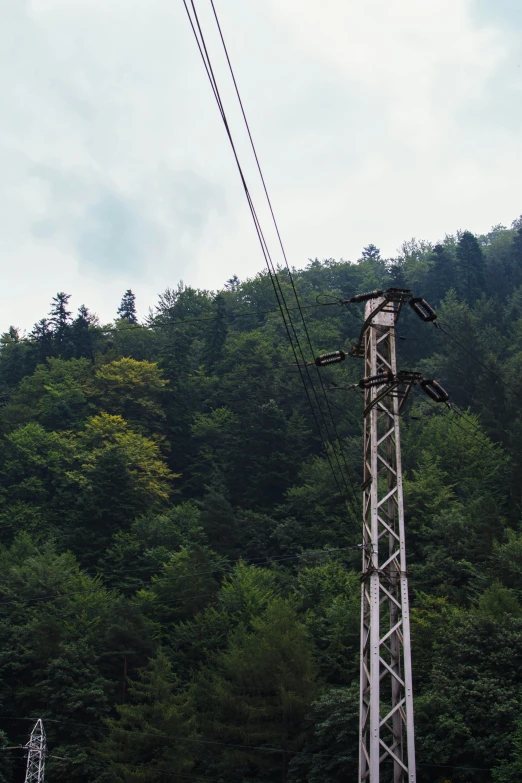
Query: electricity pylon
(36, 754)
(386, 737)
(387, 746)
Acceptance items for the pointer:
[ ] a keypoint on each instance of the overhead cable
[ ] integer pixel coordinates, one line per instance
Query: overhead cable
(278, 290)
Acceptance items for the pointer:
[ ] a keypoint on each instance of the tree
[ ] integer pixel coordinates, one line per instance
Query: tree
(516, 256)
(60, 318)
(187, 583)
(16, 359)
(55, 395)
(119, 474)
(42, 337)
(397, 277)
(72, 686)
(470, 268)
(147, 742)
(441, 274)
(233, 283)
(132, 390)
(468, 714)
(127, 308)
(258, 694)
(511, 771)
(6, 761)
(82, 334)
(371, 251)
(330, 596)
(332, 748)
(217, 333)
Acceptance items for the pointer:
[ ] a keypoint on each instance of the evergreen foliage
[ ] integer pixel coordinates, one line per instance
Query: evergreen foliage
(177, 599)
(127, 308)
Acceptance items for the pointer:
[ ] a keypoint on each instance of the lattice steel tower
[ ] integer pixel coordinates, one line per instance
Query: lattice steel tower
(387, 742)
(36, 754)
(387, 746)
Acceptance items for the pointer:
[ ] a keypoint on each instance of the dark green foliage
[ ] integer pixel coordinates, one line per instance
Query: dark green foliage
(148, 739)
(176, 594)
(470, 268)
(468, 712)
(257, 693)
(7, 759)
(510, 771)
(127, 308)
(60, 317)
(441, 276)
(330, 754)
(371, 251)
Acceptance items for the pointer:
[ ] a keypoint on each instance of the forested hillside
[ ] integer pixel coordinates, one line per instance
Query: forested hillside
(179, 593)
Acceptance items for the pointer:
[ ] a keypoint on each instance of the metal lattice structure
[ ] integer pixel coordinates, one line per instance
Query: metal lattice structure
(36, 748)
(387, 747)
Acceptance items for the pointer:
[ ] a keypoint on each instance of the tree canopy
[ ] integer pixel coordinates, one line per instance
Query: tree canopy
(179, 593)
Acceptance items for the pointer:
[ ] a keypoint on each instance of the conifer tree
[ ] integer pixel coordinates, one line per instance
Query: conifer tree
(127, 308)
(259, 694)
(218, 332)
(82, 338)
(42, 337)
(470, 268)
(233, 283)
(60, 316)
(145, 743)
(516, 257)
(441, 274)
(397, 278)
(371, 251)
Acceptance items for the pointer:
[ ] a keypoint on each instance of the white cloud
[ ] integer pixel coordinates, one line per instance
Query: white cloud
(374, 121)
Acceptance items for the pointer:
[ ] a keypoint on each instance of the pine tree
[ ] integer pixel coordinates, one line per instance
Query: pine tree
(371, 251)
(516, 257)
(60, 316)
(82, 338)
(511, 771)
(470, 268)
(145, 743)
(259, 694)
(233, 283)
(42, 337)
(127, 308)
(441, 274)
(397, 278)
(217, 333)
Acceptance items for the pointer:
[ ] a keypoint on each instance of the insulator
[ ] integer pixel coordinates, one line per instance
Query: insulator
(397, 293)
(422, 308)
(435, 391)
(366, 297)
(330, 358)
(376, 380)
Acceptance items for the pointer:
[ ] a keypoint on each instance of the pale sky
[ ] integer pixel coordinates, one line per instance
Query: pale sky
(375, 121)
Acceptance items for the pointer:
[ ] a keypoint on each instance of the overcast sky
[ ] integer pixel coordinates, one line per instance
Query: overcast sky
(375, 121)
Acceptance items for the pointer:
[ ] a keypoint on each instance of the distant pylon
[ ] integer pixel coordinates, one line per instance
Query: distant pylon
(36, 754)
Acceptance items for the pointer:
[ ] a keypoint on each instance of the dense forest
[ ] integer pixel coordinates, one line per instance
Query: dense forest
(179, 578)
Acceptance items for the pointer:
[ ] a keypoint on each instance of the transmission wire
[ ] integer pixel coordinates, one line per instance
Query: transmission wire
(290, 276)
(278, 291)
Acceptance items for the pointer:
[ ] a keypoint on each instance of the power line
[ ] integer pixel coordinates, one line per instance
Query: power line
(476, 358)
(482, 441)
(279, 237)
(278, 290)
(261, 748)
(228, 568)
(164, 323)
